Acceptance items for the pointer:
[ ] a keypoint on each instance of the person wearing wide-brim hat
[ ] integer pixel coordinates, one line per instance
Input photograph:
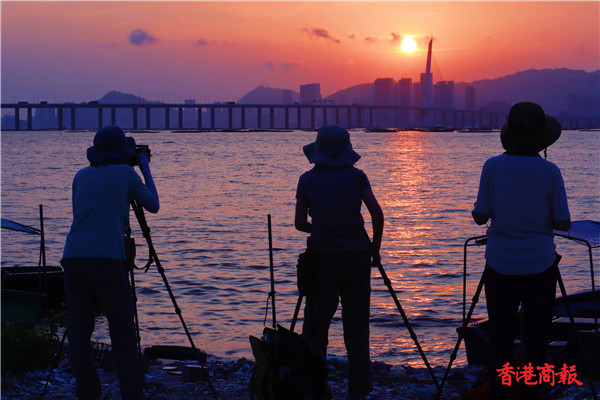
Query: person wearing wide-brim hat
(524, 196)
(93, 259)
(332, 193)
(529, 130)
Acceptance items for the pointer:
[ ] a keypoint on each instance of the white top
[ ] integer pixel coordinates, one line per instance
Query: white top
(523, 195)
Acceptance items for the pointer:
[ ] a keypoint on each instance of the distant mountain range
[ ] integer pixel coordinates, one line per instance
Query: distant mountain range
(557, 90)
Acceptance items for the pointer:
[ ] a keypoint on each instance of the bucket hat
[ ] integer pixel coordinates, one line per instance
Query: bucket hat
(111, 146)
(332, 148)
(529, 128)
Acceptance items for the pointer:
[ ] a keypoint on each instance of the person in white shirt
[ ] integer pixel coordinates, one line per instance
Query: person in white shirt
(524, 196)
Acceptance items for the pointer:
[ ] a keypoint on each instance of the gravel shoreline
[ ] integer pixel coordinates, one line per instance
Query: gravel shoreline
(230, 381)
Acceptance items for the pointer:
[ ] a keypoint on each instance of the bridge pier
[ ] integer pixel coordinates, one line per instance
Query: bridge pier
(73, 118)
(135, 118)
(29, 118)
(227, 116)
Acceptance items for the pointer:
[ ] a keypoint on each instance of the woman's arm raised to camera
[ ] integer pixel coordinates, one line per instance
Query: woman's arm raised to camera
(152, 205)
(377, 219)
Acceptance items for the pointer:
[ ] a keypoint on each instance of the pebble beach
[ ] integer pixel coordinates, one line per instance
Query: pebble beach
(230, 380)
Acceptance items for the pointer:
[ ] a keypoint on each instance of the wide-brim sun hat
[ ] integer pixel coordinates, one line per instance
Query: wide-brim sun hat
(528, 127)
(111, 146)
(332, 148)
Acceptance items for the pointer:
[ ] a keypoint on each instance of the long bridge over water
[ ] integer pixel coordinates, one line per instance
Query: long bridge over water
(232, 116)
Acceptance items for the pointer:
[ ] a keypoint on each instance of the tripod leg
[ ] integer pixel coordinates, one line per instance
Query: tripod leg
(272, 293)
(296, 312)
(462, 331)
(139, 213)
(576, 333)
(413, 336)
(60, 347)
(135, 313)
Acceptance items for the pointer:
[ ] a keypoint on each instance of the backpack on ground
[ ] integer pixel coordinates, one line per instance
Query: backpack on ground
(289, 366)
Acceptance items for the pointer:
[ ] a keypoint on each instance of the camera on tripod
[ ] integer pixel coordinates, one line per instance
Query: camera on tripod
(140, 149)
(137, 149)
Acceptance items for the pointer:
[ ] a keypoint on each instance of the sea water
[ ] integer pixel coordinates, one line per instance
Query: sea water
(211, 234)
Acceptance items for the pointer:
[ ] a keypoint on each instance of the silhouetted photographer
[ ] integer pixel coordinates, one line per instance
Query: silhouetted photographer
(94, 258)
(524, 197)
(332, 193)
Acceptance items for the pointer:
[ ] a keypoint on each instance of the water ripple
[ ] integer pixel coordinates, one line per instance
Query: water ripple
(212, 238)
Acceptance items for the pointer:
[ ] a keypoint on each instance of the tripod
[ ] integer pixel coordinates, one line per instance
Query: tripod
(413, 336)
(153, 258)
(466, 320)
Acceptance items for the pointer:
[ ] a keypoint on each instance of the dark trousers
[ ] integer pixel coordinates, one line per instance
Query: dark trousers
(345, 276)
(87, 282)
(504, 293)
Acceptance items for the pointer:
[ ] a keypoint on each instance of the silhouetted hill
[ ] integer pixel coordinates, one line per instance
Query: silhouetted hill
(359, 94)
(115, 97)
(267, 95)
(549, 87)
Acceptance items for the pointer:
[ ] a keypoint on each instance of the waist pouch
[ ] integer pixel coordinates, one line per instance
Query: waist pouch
(306, 271)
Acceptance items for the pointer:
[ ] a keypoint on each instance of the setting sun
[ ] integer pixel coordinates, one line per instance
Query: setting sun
(408, 44)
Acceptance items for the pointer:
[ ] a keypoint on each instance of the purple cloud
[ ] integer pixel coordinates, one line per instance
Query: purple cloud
(200, 42)
(396, 38)
(139, 37)
(289, 65)
(320, 33)
(285, 66)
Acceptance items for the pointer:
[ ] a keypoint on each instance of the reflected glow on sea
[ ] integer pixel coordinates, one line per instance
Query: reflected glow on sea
(216, 190)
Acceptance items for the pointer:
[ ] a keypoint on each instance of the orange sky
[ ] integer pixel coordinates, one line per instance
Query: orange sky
(218, 51)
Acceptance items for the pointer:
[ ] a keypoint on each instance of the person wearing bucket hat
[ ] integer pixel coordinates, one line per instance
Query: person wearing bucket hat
(93, 259)
(332, 193)
(529, 130)
(111, 147)
(524, 196)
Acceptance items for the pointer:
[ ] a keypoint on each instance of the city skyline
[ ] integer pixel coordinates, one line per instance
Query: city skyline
(209, 51)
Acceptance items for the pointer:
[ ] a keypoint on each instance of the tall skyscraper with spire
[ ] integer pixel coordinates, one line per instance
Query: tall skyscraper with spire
(426, 119)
